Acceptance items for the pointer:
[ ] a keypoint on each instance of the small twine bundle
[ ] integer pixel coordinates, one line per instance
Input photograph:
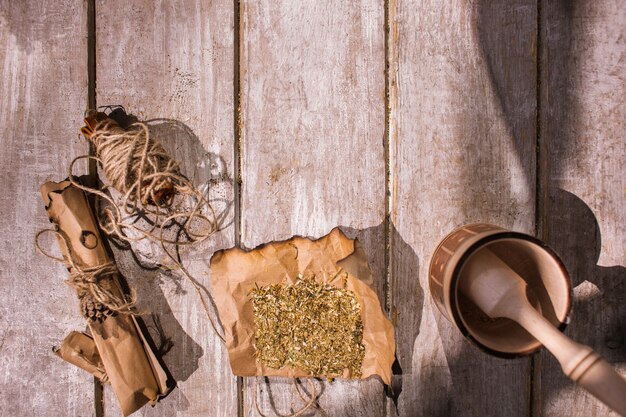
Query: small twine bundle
(151, 184)
(136, 164)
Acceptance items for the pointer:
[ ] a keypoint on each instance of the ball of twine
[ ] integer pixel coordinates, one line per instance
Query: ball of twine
(137, 165)
(150, 182)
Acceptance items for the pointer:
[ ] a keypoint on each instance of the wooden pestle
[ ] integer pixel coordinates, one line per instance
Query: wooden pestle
(498, 291)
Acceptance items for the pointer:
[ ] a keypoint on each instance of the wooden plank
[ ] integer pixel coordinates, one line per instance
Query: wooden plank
(462, 146)
(174, 61)
(312, 82)
(43, 62)
(584, 202)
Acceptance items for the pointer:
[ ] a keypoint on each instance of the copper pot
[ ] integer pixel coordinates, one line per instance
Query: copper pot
(548, 283)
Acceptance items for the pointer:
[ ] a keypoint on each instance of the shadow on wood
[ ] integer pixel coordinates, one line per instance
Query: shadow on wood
(599, 310)
(507, 35)
(406, 313)
(206, 170)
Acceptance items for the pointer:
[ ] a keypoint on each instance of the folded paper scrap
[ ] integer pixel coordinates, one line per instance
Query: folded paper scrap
(117, 351)
(238, 275)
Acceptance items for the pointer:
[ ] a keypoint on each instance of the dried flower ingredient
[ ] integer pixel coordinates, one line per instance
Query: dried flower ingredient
(309, 325)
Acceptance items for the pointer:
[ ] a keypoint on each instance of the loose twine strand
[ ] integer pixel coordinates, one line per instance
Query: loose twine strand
(311, 402)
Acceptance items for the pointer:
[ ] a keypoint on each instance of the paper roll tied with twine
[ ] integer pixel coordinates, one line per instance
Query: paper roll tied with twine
(120, 353)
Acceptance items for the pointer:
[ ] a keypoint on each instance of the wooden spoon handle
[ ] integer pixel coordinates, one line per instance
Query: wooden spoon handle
(599, 378)
(579, 362)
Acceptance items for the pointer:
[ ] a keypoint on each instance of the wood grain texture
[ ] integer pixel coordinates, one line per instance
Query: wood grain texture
(462, 147)
(173, 61)
(43, 65)
(312, 103)
(461, 143)
(584, 191)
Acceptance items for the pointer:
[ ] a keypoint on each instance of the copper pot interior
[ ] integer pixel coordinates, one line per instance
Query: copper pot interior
(548, 290)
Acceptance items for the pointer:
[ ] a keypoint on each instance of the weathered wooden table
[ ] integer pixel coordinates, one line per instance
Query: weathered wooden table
(398, 120)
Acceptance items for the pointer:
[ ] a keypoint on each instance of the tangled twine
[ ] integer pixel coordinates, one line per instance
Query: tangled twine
(152, 187)
(135, 164)
(87, 281)
(149, 180)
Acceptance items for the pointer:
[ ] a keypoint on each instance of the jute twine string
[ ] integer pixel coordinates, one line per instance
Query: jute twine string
(313, 396)
(104, 379)
(86, 281)
(311, 402)
(149, 180)
(151, 185)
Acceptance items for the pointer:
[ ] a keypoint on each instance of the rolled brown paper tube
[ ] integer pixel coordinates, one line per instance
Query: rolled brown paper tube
(133, 370)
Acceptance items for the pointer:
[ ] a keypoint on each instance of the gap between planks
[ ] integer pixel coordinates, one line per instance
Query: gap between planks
(92, 168)
(238, 128)
(534, 388)
(390, 66)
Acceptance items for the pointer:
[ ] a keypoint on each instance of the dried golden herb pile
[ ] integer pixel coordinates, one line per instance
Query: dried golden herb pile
(309, 325)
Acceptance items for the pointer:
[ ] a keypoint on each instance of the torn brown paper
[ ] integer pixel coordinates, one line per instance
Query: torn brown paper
(235, 272)
(135, 374)
(80, 350)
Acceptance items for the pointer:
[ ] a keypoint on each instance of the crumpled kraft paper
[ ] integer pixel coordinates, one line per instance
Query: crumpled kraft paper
(235, 272)
(128, 362)
(80, 350)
